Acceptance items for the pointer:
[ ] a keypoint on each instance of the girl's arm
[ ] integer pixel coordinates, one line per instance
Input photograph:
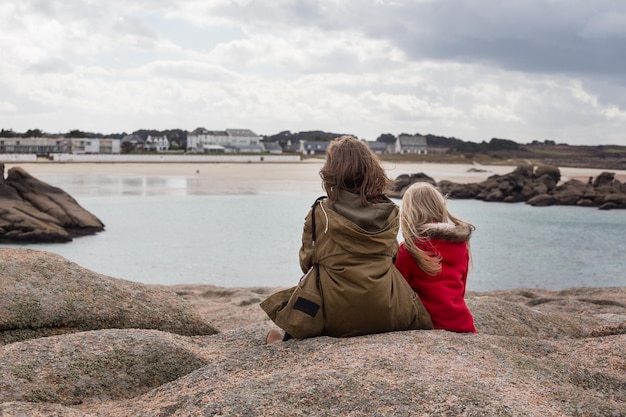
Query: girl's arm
(405, 264)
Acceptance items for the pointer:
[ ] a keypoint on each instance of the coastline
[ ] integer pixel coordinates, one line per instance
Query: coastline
(306, 170)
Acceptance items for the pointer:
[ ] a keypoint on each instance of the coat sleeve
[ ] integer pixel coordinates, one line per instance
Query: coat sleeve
(406, 265)
(466, 270)
(306, 250)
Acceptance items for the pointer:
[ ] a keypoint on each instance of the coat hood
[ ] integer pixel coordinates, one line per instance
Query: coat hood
(446, 231)
(370, 230)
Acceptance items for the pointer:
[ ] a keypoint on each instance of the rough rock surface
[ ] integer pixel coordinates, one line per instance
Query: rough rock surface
(103, 364)
(33, 211)
(43, 294)
(534, 185)
(537, 353)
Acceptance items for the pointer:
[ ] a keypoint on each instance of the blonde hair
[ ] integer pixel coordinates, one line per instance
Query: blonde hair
(352, 166)
(422, 207)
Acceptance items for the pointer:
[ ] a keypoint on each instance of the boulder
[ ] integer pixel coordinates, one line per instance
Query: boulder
(547, 170)
(585, 202)
(541, 200)
(402, 182)
(98, 365)
(535, 185)
(572, 191)
(43, 294)
(459, 191)
(604, 179)
(547, 181)
(33, 211)
(613, 201)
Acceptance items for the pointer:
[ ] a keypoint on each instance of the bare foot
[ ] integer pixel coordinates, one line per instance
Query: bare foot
(274, 336)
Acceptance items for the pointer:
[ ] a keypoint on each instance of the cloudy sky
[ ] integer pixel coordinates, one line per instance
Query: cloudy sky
(474, 69)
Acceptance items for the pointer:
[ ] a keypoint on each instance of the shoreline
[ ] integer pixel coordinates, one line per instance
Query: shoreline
(306, 170)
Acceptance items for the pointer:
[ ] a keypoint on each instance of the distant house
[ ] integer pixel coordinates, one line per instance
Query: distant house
(94, 146)
(438, 150)
(203, 140)
(291, 147)
(50, 145)
(109, 146)
(245, 140)
(229, 140)
(309, 147)
(133, 143)
(377, 147)
(157, 143)
(84, 146)
(273, 147)
(415, 144)
(39, 146)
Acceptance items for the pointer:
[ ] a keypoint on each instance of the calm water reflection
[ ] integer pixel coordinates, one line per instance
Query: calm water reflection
(169, 229)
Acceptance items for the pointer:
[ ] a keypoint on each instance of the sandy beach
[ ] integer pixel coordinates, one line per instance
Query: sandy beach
(306, 172)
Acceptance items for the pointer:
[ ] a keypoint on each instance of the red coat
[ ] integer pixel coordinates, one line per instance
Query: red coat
(443, 295)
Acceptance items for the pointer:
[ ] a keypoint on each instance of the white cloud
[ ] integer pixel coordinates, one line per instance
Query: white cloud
(6, 107)
(470, 69)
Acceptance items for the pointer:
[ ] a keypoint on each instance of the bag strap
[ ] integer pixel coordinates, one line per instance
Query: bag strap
(318, 200)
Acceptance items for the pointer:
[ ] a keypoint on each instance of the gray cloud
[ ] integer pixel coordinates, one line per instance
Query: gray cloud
(523, 36)
(569, 37)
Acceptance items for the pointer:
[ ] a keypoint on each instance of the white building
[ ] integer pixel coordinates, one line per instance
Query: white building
(411, 144)
(38, 146)
(156, 143)
(313, 147)
(94, 146)
(46, 146)
(229, 140)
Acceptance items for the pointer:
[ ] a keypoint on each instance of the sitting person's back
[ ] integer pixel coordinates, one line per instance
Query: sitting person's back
(434, 257)
(362, 291)
(356, 231)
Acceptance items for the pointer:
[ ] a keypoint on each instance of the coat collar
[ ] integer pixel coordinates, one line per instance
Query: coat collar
(446, 231)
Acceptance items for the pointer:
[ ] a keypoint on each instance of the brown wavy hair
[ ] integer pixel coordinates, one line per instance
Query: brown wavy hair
(352, 166)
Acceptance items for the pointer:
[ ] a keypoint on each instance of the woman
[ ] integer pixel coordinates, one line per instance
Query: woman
(356, 229)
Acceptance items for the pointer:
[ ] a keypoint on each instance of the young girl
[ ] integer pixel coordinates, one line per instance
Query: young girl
(356, 231)
(434, 257)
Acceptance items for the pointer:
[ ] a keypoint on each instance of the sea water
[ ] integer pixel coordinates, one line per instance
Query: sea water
(157, 232)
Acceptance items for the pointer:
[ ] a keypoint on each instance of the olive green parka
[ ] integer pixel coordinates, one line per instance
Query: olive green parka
(362, 291)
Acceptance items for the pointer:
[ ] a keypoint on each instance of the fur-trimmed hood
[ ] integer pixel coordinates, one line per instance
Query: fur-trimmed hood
(446, 231)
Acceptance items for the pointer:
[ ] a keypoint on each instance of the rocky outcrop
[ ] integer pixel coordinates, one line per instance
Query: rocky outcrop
(537, 353)
(534, 185)
(43, 294)
(402, 182)
(104, 365)
(33, 211)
